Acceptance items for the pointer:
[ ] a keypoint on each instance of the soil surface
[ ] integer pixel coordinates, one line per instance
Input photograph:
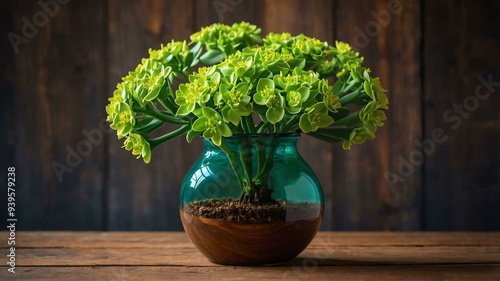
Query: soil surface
(231, 210)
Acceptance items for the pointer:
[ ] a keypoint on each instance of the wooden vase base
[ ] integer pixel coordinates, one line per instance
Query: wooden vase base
(232, 243)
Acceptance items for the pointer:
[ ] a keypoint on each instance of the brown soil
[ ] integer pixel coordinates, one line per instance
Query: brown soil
(231, 210)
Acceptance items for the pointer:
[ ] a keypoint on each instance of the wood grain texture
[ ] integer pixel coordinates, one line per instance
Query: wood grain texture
(146, 196)
(387, 273)
(330, 256)
(462, 193)
(59, 79)
(390, 45)
(321, 256)
(233, 243)
(168, 240)
(226, 11)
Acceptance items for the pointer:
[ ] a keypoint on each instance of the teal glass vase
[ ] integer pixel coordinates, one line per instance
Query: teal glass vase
(252, 200)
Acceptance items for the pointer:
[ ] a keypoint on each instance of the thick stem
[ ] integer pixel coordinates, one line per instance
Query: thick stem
(262, 195)
(293, 120)
(159, 140)
(349, 121)
(249, 124)
(351, 97)
(254, 190)
(160, 116)
(246, 160)
(233, 161)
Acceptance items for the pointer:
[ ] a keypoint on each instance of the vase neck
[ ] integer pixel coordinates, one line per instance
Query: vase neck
(280, 142)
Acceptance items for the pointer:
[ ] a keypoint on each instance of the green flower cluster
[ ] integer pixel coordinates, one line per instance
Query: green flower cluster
(262, 81)
(286, 84)
(221, 40)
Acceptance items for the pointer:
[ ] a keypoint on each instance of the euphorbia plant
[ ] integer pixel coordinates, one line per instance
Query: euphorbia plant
(228, 80)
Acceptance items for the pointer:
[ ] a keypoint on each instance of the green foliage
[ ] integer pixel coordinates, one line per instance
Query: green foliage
(246, 84)
(139, 146)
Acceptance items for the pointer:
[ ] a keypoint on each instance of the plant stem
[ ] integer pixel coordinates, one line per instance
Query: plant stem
(350, 83)
(246, 161)
(160, 116)
(166, 103)
(332, 135)
(263, 127)
(250, 125)
(289, 123)
(349, 120)
(264, 163)
(233, 160)
(257, 128)
(159, 140)
(351, 97)
(243, 125)
(151, 126)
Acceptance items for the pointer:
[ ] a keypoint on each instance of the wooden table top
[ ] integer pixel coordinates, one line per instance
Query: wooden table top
(331, 256)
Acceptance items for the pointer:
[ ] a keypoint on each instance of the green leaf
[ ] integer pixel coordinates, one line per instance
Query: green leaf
(305, 125)
(341, 113)
(234, 117)
(265, 83)
(212, 57)
(196, 49)
(200, 124)
(225, 130)
(296, 62)
(184, 89)
(304, 93)
(152, 94)
(325, 121)
(337, 87)
(210, 112)
(265, 90)
(243, 88)
(320, 107)
(217, 139)
(279, 67)
(368, 89)
(208, 134)
(259, 99)
(185, 109)
(191, 134)
(215, 77)
(274, 115)
(230, 115)
(218, 97)
(146, 154)
(293, 110)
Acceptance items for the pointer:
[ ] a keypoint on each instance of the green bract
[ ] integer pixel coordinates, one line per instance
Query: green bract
(212, 126)
(228, 80)
(139, 146)
(315, 117)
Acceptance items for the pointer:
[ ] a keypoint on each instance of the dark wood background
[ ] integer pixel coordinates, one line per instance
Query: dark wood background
(429, 56)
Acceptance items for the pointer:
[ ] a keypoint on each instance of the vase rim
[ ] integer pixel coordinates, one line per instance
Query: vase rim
(258, 137)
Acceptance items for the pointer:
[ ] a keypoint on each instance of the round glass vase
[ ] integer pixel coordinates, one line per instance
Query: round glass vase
(251, 201)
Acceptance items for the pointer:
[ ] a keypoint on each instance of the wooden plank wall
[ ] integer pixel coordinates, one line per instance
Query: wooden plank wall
(468, 115)
(429, 55)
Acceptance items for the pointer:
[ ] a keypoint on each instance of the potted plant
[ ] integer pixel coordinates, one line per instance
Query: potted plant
(250, 198)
